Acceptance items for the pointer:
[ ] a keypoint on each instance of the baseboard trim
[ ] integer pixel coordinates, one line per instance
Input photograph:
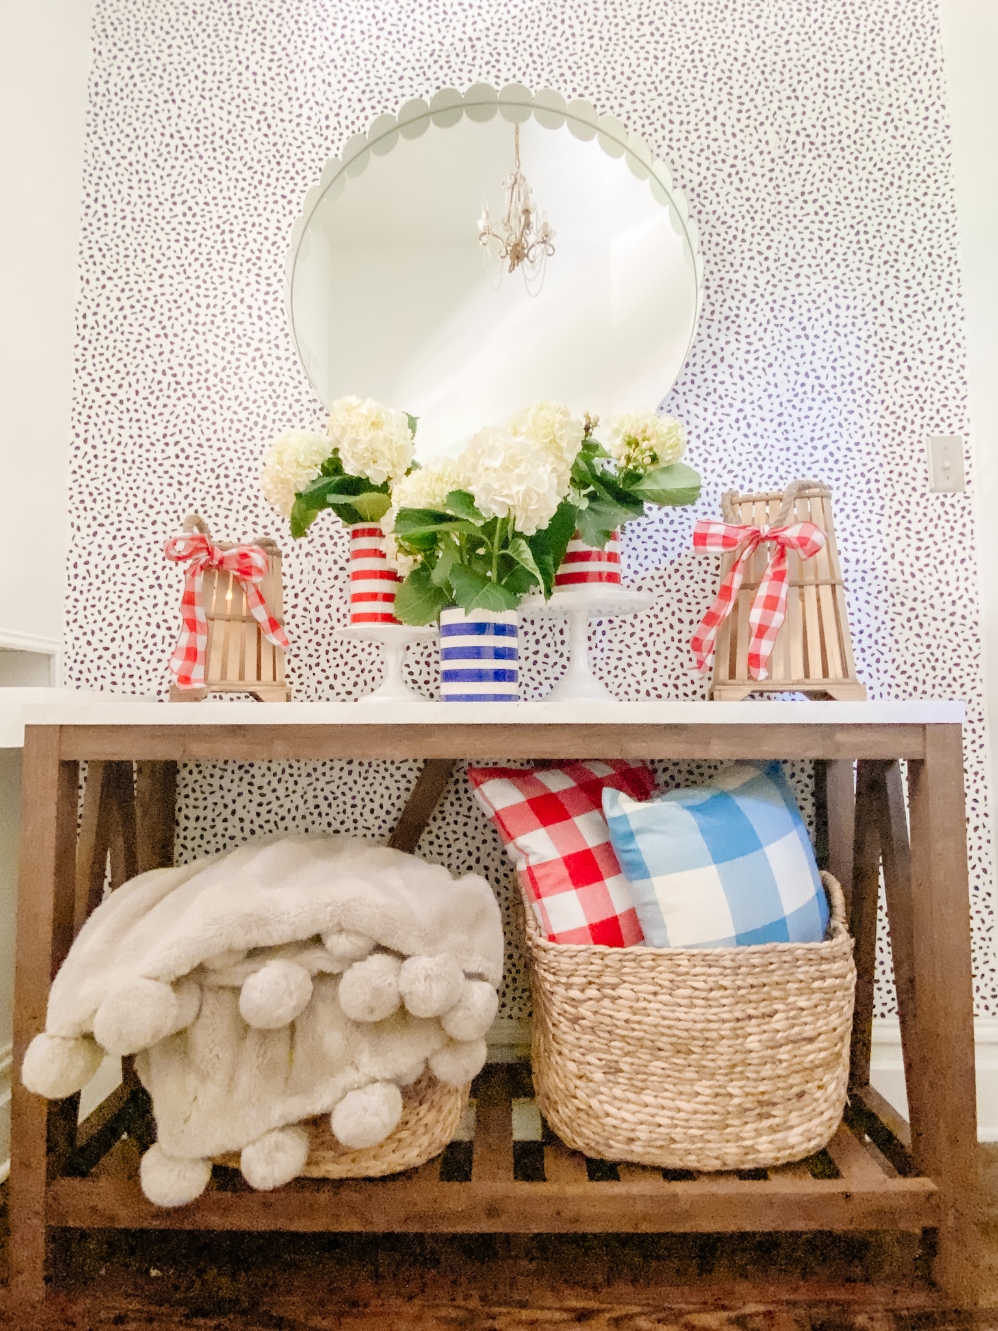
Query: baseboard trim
(6, 1069)
(887, 1070)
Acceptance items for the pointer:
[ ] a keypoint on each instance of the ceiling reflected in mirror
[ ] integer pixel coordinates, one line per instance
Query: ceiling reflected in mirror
(392, 295)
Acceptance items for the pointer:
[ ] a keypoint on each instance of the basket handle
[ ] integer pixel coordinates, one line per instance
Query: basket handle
(195, 522)
(836, 899)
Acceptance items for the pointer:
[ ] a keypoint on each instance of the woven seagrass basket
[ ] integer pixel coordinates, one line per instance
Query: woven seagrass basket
(722, 1058)
(431, 1112)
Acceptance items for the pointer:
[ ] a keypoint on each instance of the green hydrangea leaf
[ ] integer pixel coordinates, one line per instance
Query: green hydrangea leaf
(472, 591)
(418, 601)
(675, 485)
(461, 504)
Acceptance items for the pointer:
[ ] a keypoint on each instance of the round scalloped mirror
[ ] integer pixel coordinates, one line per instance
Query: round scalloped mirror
(391, 295)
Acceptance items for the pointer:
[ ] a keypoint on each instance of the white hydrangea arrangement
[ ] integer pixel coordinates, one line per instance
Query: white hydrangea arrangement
(639, 465)
(350, 468)
(482, 530)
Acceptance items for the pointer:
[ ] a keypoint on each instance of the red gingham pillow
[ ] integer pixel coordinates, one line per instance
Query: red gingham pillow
(551, 820)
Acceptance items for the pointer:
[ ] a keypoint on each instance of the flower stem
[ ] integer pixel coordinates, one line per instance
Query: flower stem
(495, 550)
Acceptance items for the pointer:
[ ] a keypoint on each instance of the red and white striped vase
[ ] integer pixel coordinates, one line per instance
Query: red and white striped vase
(588, 564)
(373, 581)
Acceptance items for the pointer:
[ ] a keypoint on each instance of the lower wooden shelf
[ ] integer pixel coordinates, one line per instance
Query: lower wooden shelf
(495, 1185)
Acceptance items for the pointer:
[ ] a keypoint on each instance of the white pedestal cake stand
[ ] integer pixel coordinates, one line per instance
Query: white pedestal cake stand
(394, 639)
(578, 605)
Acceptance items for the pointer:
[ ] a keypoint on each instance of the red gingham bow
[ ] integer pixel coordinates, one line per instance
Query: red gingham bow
(249, 565)
(770, 604)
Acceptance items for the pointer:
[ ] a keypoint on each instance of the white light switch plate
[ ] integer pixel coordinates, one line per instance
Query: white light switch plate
(946, 463)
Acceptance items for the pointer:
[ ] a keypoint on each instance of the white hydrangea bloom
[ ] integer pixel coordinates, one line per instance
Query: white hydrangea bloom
(372, 440)
(430, 485)
(509, 475)
(398, 559)
(643, 439)
(551, 426)
(291, 462)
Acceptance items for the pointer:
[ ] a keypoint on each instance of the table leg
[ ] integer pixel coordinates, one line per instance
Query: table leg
(863, 920)
(840, 806)
(155, 813)
(942, 1088)
(45, 907)
(892, 823)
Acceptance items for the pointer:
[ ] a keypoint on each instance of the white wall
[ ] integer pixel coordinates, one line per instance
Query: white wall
(45, 50)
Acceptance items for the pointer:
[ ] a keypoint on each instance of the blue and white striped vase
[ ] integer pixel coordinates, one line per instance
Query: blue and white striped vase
(479, 656)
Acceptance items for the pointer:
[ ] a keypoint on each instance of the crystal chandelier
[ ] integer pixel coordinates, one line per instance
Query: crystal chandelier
(522, 239)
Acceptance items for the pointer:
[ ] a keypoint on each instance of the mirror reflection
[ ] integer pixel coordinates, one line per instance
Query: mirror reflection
(393, 296)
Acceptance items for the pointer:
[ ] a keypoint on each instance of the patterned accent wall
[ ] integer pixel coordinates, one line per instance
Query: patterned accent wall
(810, 138)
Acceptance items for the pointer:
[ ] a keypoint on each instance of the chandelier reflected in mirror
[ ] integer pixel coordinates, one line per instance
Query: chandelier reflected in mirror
(523, 238)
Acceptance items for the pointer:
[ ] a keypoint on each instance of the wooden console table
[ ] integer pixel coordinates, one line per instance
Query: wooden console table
(878, 1174)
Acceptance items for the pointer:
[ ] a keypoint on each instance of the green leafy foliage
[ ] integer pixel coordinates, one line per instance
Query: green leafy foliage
(354, 498)
(675, 485)
(418, 600)
(548, 546)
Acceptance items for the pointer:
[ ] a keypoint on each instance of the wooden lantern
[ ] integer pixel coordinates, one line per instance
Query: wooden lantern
(238, 658)
(813, 650)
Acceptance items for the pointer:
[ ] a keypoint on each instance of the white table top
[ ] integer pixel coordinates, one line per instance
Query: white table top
(15, 702)
(108, 710)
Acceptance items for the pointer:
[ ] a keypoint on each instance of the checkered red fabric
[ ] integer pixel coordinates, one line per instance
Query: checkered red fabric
(248, 564)
(770, 604)
(551, 820)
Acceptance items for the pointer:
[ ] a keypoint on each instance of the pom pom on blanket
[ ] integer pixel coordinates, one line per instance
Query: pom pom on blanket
(275, 995)
(347, 947)
(139, 1012)
(55, 1068)
(366, 1117)
(275, 1158)
(167, 1181)
(430, 985)
(459, 1061)
(369, 991)
(473, 1013)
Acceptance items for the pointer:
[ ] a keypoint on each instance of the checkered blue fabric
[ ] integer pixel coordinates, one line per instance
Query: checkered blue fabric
(720, 865)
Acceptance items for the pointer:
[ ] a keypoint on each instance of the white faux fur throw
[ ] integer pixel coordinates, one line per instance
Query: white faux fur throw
(263, 986)
(163, 924)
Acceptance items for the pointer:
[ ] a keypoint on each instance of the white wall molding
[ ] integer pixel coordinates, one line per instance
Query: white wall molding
(13, 641)
(6, 1070)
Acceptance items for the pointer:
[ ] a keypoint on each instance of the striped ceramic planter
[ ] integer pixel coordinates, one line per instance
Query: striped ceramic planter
(479, 656)
(587, 564)
(373, 581)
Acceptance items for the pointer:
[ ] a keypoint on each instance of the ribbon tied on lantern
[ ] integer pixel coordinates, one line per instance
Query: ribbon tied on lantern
(769, 607)
(248, 564)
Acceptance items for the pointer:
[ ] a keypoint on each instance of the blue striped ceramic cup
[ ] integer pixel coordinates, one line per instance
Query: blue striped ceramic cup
(479, 656)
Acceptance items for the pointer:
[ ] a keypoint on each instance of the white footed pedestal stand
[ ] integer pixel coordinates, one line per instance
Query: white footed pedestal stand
(578, 605)
(394, 639)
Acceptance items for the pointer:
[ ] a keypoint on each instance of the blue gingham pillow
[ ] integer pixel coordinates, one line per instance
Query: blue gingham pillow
(720, 865)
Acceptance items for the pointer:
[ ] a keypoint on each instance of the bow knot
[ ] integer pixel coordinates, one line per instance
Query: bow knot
(249, 565)
(769, 606)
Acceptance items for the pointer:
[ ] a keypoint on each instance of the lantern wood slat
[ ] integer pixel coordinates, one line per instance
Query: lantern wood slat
(238, 658)
(812, 652)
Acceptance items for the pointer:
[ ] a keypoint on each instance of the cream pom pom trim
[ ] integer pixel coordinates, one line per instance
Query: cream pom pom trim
(55, 1067)
(366, 1117)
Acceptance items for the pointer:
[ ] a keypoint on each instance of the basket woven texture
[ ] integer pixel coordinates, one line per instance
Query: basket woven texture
(431, 1112)
(724, 1058)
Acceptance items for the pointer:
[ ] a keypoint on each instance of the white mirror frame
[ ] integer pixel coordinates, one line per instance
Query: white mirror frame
(516, 104)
